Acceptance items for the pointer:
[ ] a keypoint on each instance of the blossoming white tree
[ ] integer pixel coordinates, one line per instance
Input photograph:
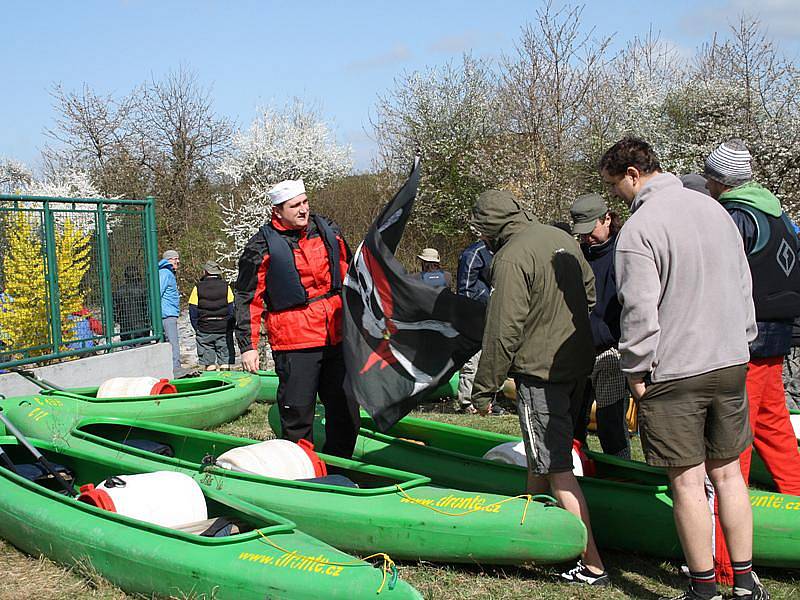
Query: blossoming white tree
(13, 174)
(287, 143)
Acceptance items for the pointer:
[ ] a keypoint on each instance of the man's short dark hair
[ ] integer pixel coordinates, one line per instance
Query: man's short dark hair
(630, 152)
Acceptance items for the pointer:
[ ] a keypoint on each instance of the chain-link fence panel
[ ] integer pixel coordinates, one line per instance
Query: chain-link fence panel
(76, 277)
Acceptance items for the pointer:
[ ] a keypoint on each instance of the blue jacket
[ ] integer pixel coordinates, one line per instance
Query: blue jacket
(83, 331)
(169, 290)
(474, 272)
(605, 315)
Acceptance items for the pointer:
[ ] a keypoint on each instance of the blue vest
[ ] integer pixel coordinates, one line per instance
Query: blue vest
(284, 289)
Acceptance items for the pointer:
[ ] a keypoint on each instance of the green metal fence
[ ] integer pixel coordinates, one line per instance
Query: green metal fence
(77, 276)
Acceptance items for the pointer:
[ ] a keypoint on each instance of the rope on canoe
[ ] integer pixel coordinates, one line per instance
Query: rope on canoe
(528, 499)
(388, 567)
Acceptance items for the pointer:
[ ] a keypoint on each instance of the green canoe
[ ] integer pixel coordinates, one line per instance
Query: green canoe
(269, 387)
(397, 512)
(270, 558)
(200, 402)
(629, 501)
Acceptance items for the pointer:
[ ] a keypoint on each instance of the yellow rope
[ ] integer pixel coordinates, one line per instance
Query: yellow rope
(528, 499)
(387, 567)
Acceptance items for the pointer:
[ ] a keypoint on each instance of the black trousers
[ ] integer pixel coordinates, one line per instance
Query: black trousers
(302, 374)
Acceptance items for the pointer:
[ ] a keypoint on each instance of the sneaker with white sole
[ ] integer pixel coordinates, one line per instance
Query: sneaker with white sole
(690, 594)
(759, 592)
(580, 574)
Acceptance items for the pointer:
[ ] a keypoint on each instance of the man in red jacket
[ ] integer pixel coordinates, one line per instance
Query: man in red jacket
(292, 272)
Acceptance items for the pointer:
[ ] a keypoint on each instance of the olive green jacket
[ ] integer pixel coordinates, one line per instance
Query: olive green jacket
(537, 321)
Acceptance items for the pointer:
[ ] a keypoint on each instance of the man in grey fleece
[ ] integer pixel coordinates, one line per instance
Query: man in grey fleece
(537, 331)
(687, 319)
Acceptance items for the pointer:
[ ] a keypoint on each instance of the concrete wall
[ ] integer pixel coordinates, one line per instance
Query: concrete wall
(153, 360)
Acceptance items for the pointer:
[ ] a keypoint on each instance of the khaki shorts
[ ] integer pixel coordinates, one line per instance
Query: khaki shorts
(685, 421)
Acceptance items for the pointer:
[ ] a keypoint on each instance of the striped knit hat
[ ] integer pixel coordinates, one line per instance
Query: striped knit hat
(730, 164)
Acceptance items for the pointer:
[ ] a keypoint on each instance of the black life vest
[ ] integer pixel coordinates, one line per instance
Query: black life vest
(284, 289)
(212, 305)
(774, 266)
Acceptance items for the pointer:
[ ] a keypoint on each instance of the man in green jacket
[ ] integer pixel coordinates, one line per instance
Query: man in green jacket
(538, 332)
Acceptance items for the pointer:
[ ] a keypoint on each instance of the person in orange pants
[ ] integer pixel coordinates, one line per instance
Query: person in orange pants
(771, 245)
(774, 438)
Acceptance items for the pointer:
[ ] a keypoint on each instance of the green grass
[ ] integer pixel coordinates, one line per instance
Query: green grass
(633, 576)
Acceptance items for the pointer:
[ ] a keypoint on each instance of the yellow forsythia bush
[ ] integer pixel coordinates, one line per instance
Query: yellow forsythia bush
(24, 313)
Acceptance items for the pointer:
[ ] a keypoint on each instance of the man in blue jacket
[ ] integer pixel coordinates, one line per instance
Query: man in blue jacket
(473, 281)
(170, 303)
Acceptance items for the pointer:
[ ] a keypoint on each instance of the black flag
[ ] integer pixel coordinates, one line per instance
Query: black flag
(402, 337)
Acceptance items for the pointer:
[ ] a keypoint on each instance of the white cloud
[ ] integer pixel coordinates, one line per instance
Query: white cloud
(780, 17)
(399, 53)
(454, 44)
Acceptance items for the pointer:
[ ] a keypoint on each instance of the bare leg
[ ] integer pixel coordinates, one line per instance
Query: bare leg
(537, 484)
(569, 495)
(735, 513)
(692, 515)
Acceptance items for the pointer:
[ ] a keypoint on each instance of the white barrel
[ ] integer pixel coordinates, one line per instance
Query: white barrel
(513, 453)
(795, 419)
(164, 497)
(510, 453)
(126, 387)
(281, 459)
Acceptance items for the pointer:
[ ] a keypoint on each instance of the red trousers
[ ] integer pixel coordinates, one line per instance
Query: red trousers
(773, 438)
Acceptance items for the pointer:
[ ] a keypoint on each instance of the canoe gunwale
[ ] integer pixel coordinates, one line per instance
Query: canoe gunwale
(412, 480)
(281, 525)
(388, 439)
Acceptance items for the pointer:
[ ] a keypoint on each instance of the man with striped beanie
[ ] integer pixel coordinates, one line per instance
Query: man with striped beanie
(772, 253)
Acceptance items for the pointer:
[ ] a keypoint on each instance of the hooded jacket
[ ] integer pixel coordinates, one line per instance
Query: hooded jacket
(684, 285)
(770, 243)
(169, 290)
(537, 321)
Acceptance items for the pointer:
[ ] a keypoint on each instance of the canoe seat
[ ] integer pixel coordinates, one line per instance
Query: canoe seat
(150, 446)
(339, 480)
(36, 473)
(214, 527)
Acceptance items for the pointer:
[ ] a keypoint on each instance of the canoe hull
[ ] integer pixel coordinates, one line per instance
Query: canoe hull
(394, 512)
(632, 494)
(148, 559)
(201, 402)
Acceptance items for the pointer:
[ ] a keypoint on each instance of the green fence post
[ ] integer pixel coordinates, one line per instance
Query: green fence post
(105, 273)
(154, 287)
(53, 292)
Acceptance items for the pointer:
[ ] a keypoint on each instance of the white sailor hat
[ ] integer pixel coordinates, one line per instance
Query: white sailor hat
(286, 190)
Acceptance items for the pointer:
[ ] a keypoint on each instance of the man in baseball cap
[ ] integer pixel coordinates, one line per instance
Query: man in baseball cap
(586, 211)
(211, 314)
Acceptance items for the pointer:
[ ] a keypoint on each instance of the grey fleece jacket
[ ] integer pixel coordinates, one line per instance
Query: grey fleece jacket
(537, 321)
(684, 285)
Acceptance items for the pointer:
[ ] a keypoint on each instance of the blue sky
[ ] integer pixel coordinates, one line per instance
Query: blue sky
(334, 54)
